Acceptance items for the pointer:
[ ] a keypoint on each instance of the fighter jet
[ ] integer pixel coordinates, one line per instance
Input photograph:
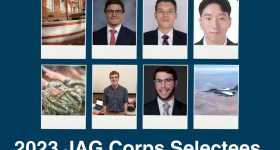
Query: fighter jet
(227, 92)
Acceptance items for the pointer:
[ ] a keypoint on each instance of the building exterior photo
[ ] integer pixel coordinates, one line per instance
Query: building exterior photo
(62, 9)
(63, 22)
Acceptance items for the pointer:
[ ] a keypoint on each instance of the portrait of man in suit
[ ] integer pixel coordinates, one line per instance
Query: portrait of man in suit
(165, 83)
(165, 14)
(215, 21)
(114, 33)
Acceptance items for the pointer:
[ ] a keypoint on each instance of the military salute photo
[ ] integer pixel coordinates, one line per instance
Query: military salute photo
(63, 94)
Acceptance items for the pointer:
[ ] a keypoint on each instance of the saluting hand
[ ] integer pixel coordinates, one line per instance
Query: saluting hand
(53, 75)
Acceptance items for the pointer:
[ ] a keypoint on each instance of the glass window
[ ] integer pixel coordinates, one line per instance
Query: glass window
(62, 6)
(69, 8)
(50, 5)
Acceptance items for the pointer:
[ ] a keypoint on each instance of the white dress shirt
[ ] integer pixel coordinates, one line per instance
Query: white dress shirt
(109, 34)
(170, 39)
(204, 42)
(161, 108)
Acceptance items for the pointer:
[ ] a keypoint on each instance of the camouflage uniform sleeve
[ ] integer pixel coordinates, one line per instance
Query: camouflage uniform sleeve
(67, 102)
(77, 85)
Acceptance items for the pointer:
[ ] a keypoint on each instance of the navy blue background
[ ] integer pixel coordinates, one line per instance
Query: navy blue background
(21, 80)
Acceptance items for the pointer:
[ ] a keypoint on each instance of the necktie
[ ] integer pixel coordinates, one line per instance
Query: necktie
(165, 40)
(166, 108)
(113, 40)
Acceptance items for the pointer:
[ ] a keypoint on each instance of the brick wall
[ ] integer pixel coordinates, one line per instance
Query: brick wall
(56, 14)
(76, 15)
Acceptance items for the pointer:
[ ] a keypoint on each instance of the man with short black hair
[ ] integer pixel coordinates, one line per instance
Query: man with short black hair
(165, 34)
(114, 33)
(115, 97)
(215, 21)
(165, 79)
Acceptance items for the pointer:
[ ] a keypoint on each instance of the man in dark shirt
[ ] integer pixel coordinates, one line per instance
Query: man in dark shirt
(115, 98)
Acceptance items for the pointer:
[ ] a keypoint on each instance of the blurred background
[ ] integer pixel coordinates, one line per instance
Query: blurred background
(99, 21)
(75, 72)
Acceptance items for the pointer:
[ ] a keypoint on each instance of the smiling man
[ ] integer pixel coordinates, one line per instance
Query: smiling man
(215, 21)
(165, 80)
(114, 33)
(165, 34)
(115, 97)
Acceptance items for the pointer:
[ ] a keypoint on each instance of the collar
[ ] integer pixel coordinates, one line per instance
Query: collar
(171, 102)
(118, 28)
(204, 42)
(113, 88)
(170, 34)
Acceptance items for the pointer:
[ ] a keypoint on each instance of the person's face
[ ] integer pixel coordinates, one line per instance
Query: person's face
(214, 23)
(165, 91)
(165, 15)
(114, 15)
(114, 79)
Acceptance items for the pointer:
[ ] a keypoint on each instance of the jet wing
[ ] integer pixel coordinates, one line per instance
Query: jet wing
(228, 93)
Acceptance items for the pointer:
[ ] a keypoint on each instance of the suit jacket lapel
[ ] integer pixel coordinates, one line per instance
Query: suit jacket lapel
(229, 42)
(154, 39)
(121, 36)
(104, 36)
(154, 110)
(200, 42)
(175, 38)
(176, 109)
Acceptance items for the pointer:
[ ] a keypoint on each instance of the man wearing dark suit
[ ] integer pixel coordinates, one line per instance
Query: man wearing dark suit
(165, 34)
(202, 42)
(215, 21)
(165, 79)
(114, 33)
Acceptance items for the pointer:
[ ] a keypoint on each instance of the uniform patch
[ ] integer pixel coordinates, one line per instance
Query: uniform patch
(54, 91)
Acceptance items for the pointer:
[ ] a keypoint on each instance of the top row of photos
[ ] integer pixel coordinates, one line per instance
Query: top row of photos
(165, 29)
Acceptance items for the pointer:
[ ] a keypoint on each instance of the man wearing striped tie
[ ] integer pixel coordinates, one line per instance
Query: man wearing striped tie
(165, 34)
(165, 80)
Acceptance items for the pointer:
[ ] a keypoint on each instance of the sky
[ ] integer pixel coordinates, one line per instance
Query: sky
(216, 68)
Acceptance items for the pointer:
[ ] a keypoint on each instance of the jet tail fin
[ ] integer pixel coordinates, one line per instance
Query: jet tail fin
(235, 88)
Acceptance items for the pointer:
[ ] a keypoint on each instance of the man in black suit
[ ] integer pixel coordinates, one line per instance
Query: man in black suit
(165, 79)
(215, 21)
(114, 33)
(165, 34)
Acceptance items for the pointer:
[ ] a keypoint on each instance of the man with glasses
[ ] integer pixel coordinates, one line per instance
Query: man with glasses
(114, 33)
(115, 97)
(165, 80)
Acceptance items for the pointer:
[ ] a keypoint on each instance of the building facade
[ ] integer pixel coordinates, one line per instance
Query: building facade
(62, 10)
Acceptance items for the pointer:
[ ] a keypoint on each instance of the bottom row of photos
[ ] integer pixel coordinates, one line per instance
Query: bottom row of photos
(165, 97)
